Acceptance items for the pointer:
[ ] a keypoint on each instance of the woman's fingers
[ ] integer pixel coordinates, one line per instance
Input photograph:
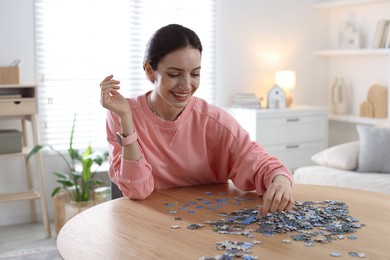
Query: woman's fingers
(267, 201)
(275, 202)
(106, 79)
(109, 88)
(108, 84)
(110, 97)
(109, 81)
(284, 203)
(278, 197)
(290, 204)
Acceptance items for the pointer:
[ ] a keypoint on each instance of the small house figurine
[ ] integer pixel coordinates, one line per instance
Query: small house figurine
(276, 97)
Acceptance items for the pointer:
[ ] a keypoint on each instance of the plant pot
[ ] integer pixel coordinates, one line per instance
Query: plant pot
(65, 208)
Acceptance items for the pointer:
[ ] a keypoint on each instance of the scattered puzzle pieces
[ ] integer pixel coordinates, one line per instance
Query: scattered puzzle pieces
(312, 222)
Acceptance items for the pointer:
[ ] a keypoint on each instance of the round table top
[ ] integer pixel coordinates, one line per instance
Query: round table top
(142, 229)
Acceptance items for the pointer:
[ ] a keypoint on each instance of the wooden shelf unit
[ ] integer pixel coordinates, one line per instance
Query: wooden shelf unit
(25, 195)
(19, 102)
(355, 65)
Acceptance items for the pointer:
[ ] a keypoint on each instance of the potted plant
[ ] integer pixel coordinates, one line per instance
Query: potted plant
(78, 189)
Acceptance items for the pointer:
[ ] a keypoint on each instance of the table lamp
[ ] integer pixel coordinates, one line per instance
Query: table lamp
(286, 80)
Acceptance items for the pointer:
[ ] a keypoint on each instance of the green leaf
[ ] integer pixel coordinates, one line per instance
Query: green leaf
(70, 150)
(98, 157)
(55, 191)
(87, 163)
(76, 174)
(95, 182)
(33, 151)
(77, 155)
(61, 175)
(66, 183)
(88, 152)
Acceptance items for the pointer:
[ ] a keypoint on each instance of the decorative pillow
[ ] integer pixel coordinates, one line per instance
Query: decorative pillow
(343, 156)
(374, 155)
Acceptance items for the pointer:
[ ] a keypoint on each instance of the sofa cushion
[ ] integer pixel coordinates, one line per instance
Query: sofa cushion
(374, 149)
(343, 156)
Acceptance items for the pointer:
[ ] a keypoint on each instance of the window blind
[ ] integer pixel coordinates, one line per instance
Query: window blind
(79, 42)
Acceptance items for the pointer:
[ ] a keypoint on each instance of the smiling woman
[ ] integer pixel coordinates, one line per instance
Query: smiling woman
(176, 79)
(167, 137)
(72, 56)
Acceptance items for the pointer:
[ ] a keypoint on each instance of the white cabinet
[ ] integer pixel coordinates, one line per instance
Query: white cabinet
(362, 67)
(293, 134)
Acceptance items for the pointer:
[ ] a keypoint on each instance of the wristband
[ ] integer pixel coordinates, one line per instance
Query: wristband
(123, 141)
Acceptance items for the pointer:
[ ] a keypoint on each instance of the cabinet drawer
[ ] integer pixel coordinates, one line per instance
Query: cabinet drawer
(283, 130)
(295, 155)
(17, 107)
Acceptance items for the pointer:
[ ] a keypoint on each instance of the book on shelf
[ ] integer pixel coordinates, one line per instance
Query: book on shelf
(381, 36)
(387, 43)
(386, 36)
(246, 100)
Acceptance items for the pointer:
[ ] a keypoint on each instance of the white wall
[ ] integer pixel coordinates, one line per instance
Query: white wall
(17, 36)
(258, 37)
(255, 38)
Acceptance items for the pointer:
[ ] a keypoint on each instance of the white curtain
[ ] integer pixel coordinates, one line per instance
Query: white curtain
(79, 42)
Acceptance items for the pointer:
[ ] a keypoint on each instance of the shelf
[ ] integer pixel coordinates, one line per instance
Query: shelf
(358, 119)
(26, 195)
(355, 52)
(341, 3)
(17, 85)
(19, 101)
(24, 152)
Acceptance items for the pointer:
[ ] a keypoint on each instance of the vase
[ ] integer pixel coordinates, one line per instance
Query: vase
(65, 208)
(339, 97)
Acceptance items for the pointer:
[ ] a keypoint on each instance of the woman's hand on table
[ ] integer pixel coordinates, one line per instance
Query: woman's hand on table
(278, 196)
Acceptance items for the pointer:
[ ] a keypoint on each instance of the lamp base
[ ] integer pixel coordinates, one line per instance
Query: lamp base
(289, 98)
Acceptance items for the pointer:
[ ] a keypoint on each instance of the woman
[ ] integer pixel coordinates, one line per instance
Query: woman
(169, 138)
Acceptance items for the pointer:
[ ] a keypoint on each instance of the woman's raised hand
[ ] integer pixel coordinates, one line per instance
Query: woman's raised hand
(111, 99)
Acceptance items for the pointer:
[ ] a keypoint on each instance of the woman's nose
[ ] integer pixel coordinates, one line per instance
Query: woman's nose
(186, 83)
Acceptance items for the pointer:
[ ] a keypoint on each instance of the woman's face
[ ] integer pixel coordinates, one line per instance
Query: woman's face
(178, 76)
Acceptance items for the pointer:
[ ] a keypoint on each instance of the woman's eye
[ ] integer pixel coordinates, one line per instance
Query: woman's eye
(195, 73)
(173, 75)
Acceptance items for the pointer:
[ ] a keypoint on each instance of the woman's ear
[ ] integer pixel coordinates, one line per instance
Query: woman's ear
(149, 72)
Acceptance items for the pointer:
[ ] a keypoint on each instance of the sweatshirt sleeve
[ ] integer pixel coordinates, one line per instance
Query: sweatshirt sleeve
(250, 166)
(134, 178)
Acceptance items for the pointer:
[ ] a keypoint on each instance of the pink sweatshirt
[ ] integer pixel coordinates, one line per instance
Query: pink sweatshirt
(205, 145)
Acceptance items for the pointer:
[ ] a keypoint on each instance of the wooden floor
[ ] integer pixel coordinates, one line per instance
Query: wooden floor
(25, 236)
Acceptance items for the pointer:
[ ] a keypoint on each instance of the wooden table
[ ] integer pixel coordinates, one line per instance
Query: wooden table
(129, 229)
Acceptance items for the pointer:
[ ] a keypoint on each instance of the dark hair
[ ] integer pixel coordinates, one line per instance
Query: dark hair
(168, 39)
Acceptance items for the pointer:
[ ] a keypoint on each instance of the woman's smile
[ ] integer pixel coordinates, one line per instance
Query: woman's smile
(181, 96)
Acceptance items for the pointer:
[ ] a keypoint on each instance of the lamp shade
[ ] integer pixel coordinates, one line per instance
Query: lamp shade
(285, 79)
